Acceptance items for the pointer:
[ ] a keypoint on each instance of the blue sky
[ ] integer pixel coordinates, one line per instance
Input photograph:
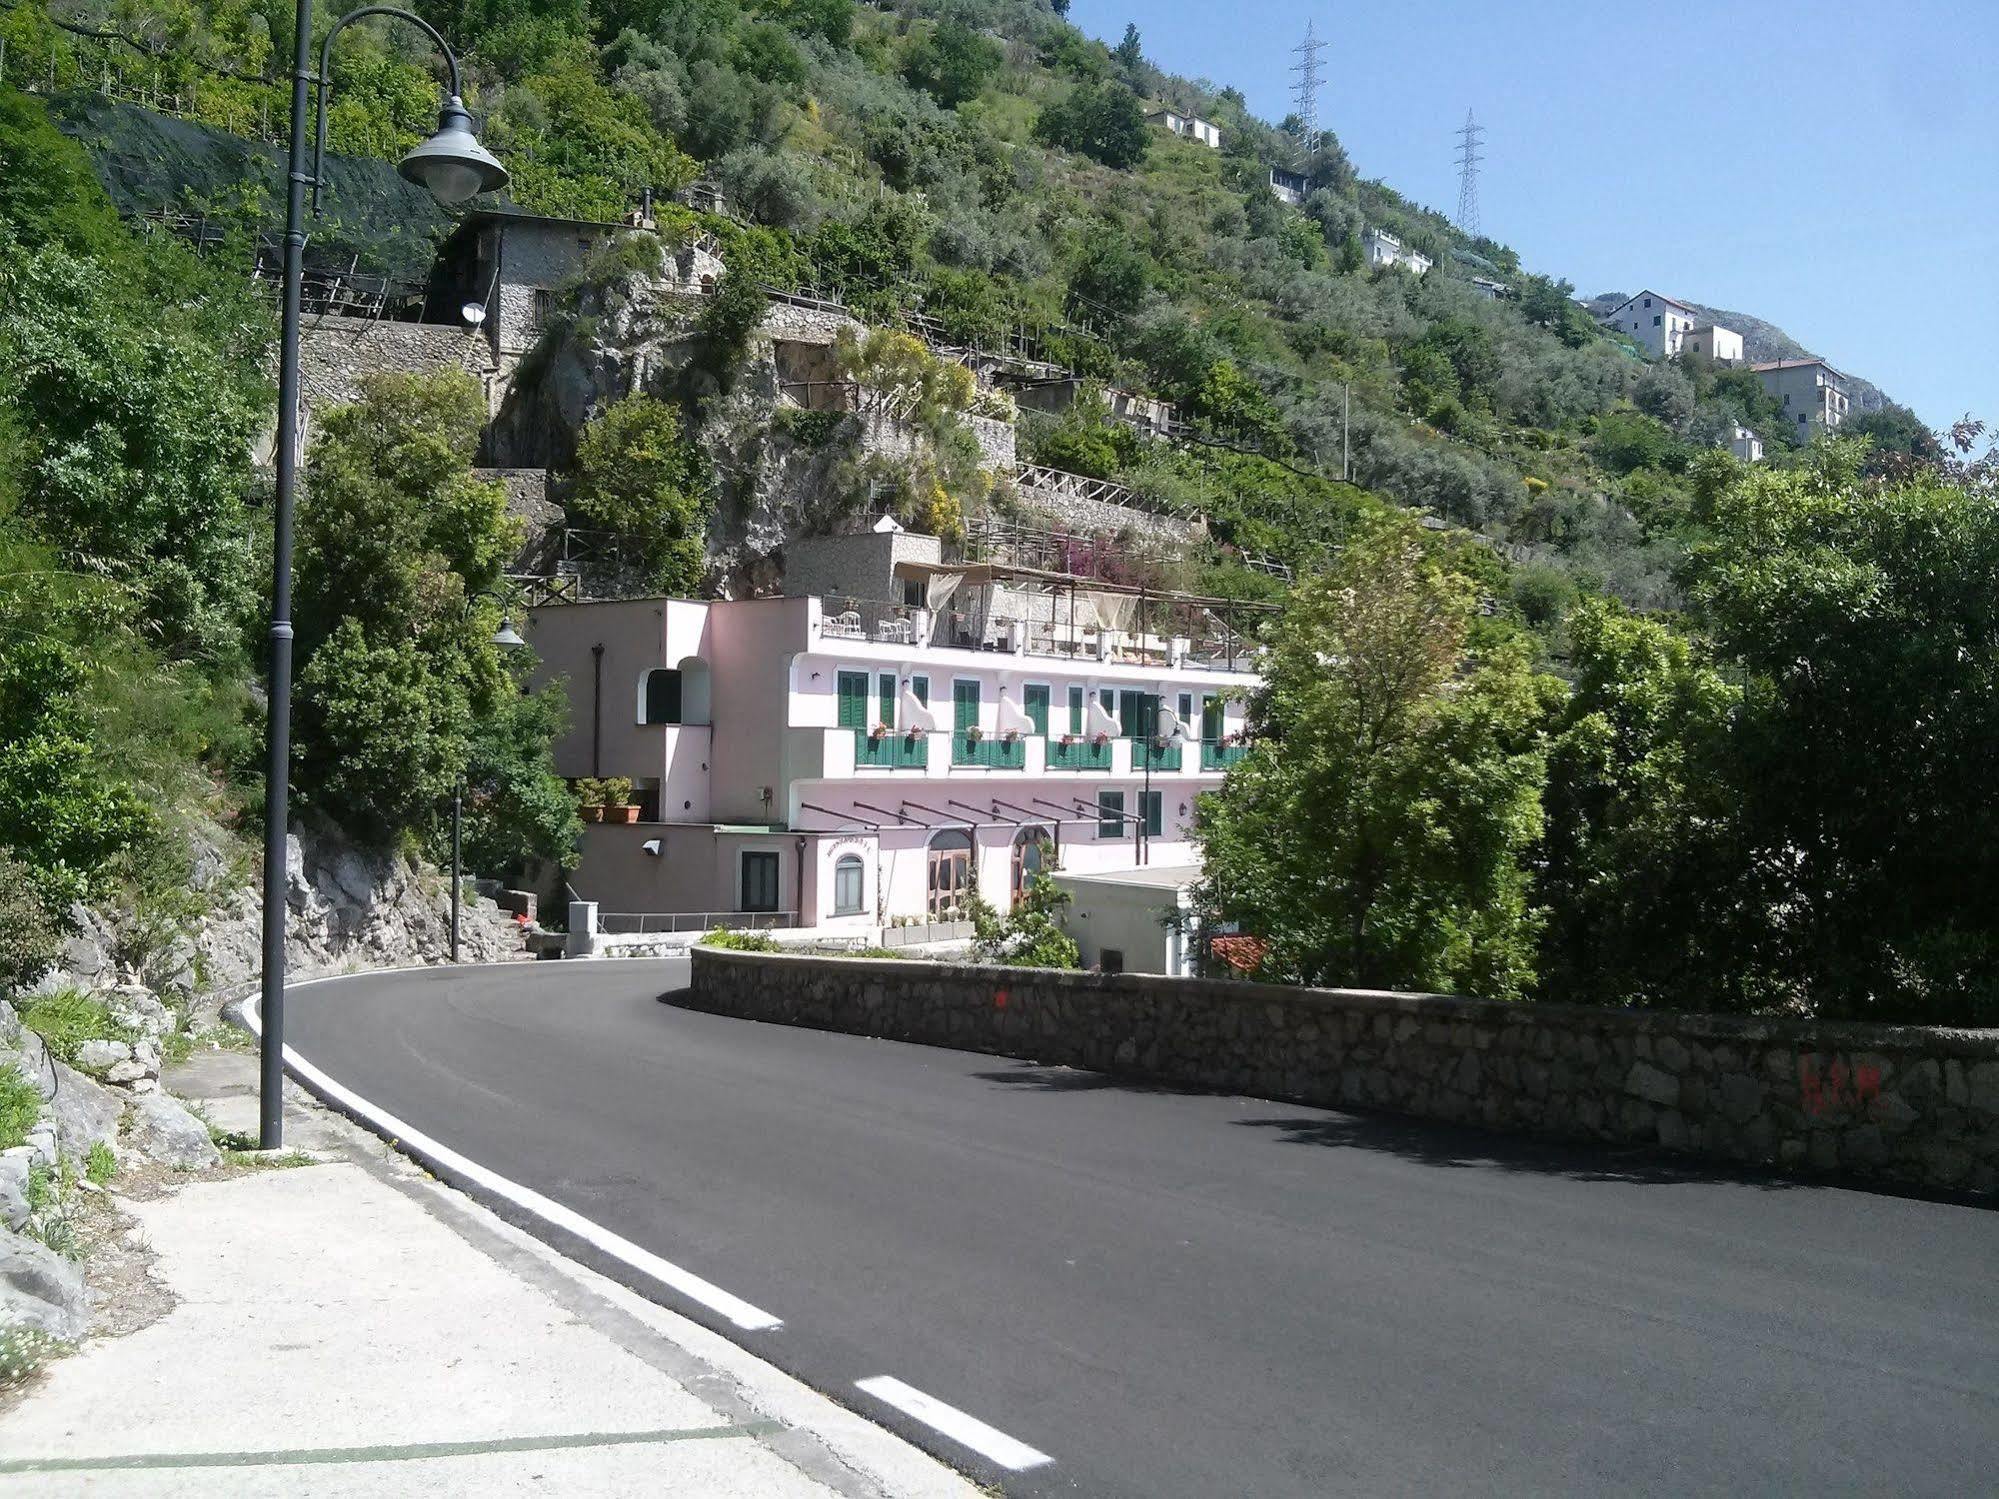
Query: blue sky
(1831, 167)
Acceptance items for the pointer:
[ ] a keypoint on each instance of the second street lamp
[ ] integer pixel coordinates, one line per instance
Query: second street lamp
(506, 638)
(454, 168)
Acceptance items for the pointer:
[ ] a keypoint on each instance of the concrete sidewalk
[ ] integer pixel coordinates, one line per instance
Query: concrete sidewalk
(354, 1328)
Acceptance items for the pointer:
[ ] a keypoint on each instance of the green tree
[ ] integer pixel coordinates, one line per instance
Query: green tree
(1031, 934)
(1653, 895)
(1376, 835)
(1102, 121)
(953, 62)
(518, 811)
(637, 476)
(395, 536)
(1867, 620)
(1129, 53)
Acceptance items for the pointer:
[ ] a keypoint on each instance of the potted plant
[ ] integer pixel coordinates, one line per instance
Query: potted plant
(1068, 740)
(618, 803)
(974, 734)
(1009, 736)
(590, 799)
(879, 732)
(1100, 738)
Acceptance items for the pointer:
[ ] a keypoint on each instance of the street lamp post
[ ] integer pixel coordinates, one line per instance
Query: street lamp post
(506, 637)
(454, 167)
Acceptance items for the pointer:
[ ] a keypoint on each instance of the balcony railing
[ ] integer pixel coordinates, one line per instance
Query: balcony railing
(1216, 756)
(1083, 754)
(1160, 757)
(992, 753)
(894, 750)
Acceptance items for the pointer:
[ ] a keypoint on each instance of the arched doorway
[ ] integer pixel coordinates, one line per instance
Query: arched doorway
(950, 882)
(1033, 852)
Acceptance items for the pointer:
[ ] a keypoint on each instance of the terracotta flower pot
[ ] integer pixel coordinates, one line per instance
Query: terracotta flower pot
(621, 814)
(591, 814)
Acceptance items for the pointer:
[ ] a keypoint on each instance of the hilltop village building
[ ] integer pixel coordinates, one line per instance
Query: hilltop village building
(1383, 248)
(1813, 393)
(1745, 445)
(893, 733)
(1187, 127)
(1665, 328)
(1289, 187)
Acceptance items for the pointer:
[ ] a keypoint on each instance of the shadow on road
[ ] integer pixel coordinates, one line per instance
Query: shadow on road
(1431, 1143)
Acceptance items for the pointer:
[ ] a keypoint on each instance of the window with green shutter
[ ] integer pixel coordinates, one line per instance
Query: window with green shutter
(1036, 699)
(885, 683)
(1131, 714)
(1153, 806)
(1110, 814)
(919, 688)
(1211, 720)
(853, 686)
(1075, 710)
(965, 705)
(1186, 708)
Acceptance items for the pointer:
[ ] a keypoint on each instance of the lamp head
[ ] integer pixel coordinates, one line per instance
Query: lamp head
(452, 166)
(507, 637)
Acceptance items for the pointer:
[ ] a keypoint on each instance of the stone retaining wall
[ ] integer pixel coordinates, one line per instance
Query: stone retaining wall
(1902, 1102)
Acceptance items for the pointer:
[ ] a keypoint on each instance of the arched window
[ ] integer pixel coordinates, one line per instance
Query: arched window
(1033, 852)
(950, 884)
(659, 696)
(848, 880)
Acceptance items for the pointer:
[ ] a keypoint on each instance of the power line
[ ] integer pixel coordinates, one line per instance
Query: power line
(1305, 92)
(1469, 157)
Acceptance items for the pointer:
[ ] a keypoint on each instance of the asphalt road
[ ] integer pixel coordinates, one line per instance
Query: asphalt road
(1183, 1294)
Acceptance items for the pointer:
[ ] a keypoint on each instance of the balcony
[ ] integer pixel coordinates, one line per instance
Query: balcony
(1159, 757)
(892, 751)
(1083, 754)
(988, 752)
(1221, 756)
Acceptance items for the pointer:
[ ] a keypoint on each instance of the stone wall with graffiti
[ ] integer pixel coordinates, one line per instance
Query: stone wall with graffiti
(1901, 1102)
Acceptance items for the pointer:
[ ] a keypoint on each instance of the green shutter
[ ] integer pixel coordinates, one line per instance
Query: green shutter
(1211, 720)
(853, 699)
(1110, 814)
(1155, 813)
(1037, 709)
(1075, 710)
(1131, 714)
(965, 705)
(919, 688)
(886, 683)
(1186, 709)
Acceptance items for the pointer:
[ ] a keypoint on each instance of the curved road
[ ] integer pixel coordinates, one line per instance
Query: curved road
(1182, 1294)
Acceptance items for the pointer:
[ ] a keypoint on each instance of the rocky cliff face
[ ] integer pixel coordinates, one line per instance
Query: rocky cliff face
(637, 334)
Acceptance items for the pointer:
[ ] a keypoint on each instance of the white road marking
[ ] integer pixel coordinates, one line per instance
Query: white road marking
(969, 1431)
(400, 1131)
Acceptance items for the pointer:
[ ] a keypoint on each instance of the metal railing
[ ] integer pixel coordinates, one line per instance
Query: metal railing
(1079, 754)
(898, 749)
(664, 923)
(842, 618)
(991, 751)
(1217, 756)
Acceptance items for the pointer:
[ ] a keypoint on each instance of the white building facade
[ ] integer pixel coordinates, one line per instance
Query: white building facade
(1813, 393)
(1745, 445)
(1384, 249)
(1657, 323)
(1188, 127)
(854, 765)
(1713, 342)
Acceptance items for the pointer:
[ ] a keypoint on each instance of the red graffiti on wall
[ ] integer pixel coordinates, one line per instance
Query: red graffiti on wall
(999, 999)
(1838, 1086)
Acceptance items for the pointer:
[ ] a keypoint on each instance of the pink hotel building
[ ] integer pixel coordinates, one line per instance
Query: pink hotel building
(867, 753)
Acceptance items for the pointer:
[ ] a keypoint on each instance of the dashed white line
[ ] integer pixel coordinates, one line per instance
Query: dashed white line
(966, 1430)
(686, 1282)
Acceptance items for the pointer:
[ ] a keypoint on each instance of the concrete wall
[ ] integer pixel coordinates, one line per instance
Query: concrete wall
(1133, 920)
(860, 566)
(1898, 1102)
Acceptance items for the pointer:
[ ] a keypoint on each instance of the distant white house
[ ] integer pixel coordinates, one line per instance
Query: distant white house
(1132, 920)
(1189, 127)
(1290, 187)
(1712, 341)
(1745, 445)
(1657, 323)
(1490, 289)
(1383, 248)
(1813, 393)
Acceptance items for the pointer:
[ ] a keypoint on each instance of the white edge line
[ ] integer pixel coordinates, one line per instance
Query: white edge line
(966, 1430)
(401, 1133)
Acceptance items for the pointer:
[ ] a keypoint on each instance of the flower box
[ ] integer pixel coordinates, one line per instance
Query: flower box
(621, 814)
